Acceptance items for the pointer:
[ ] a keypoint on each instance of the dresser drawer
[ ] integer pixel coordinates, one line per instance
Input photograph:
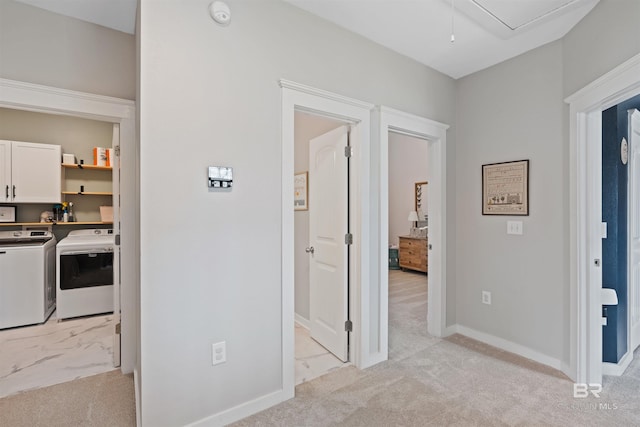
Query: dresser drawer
(413, 253)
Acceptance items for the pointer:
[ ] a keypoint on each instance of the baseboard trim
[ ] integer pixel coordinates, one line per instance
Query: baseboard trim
(617, 369)
(566, 369)
(136, 390)
(305, 323)
(450, 330)
(242, 411)
(509, 346)
(373, 359)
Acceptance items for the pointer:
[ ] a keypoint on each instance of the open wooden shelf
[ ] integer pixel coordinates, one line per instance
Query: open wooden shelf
(86, 193)
(44, 224)
(88, 167)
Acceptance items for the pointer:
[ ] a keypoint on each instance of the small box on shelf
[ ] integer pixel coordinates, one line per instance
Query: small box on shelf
(106, 213)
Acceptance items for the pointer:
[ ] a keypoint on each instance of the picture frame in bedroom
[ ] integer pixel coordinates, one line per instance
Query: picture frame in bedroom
(301, 191)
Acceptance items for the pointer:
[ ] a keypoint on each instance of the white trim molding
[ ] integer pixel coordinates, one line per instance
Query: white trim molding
(617, 369)
(305, 323)
(585, 190)
(44, 99)
(509, 346)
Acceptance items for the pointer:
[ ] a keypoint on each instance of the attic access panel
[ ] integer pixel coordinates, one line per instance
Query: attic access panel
(515, 14)
(507, 18)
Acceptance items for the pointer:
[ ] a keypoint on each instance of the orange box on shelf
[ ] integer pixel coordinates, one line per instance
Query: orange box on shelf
(99, 156)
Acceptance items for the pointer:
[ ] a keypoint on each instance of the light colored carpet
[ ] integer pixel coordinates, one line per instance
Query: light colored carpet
(98, 401)
(457, 381)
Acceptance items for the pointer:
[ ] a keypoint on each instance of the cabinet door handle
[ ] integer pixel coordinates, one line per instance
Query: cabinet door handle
(7, 192)
(3, 252)
(14, 191)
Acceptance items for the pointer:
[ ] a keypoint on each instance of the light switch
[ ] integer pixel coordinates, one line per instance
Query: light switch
(514, 227)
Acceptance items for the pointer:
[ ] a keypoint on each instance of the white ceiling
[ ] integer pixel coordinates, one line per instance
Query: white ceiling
(486, 31)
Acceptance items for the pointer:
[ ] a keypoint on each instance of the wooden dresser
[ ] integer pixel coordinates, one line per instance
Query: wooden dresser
(413, 253)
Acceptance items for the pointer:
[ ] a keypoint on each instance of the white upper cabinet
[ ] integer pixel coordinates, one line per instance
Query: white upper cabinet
(30, 172)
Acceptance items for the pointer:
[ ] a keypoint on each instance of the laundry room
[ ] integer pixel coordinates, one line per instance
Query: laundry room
(58, 256)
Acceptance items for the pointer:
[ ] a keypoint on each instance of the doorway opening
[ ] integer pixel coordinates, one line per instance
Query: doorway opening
(297, 97)
(621, 242)
(320, 307)
(77, 339)
(434, 134)
(118, 117)
(408, 254)
(586, 298)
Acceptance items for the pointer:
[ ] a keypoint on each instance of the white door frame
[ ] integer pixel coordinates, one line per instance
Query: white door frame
(44, 99)
(435, 134)
(586, 106)
(304, 98)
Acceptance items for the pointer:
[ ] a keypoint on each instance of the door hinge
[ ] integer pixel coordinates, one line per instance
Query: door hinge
(348, 239)
(116, 149)
(348, 151)
(348, 326)
(117, 328)
(117, 240)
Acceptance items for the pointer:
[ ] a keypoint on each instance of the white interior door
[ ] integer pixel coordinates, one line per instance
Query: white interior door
(115, 163)
(634, 228)
(328, 225)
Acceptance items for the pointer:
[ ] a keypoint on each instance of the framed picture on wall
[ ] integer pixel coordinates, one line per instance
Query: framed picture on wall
(301, 191)
(421, 200)
(505, 188)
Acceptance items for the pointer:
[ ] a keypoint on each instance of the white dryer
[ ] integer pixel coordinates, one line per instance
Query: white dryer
(84, 264)
(27, 279)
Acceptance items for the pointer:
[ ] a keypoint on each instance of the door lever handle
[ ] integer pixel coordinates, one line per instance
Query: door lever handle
(310, 250)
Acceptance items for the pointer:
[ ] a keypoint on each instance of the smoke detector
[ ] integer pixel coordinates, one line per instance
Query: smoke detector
(220, 12)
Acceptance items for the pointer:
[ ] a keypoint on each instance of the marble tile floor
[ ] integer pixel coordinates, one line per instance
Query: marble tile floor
(312, 359)
(55, 352)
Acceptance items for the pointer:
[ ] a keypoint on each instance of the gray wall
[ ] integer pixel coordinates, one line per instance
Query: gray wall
(306, 128)
(605, 38)
(514, 111)
(210, 95)
(38, 46)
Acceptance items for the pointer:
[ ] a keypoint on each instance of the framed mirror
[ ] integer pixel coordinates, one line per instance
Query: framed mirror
(421, 202)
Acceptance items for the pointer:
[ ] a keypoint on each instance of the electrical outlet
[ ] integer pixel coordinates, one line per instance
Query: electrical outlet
(219, 352)
(486, 297)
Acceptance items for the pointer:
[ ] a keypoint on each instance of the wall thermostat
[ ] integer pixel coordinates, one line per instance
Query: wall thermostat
(220, 177)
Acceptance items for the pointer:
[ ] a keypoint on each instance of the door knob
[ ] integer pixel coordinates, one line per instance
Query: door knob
(310, 250)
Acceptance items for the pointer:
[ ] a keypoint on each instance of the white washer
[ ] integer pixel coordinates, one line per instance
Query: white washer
(84, 263)
(27, 279)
